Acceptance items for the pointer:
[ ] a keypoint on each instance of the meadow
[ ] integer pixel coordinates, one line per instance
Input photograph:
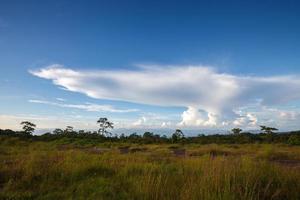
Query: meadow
(70, 169)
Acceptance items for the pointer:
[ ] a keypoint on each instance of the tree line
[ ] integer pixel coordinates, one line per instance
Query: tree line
(267, 135)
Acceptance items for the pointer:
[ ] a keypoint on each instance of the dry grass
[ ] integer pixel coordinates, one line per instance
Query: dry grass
(40, 170)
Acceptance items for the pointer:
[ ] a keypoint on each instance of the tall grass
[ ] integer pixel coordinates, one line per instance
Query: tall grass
(37, 170)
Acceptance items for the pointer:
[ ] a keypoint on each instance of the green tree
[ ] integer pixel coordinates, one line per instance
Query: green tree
(236, 131)
(122, 136)
(177, 136)
(134, 136)
(28, 127)
(104, 125)
(57, 131)
(294, 140)
(68, 130)
(268, 130)
(148, 137)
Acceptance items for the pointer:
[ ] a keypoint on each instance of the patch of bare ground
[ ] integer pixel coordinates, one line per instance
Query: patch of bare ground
(92, 150)
(96, 150)
(287, 163)
(124, 150)
(138, 149)
(179, 152)
(64, 147)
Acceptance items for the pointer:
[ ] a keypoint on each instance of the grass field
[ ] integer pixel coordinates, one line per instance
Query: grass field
(70, 170)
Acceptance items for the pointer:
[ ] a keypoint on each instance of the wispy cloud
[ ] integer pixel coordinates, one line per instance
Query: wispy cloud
(209, 96)
(87, 107)
(47, 122)
(60, 99)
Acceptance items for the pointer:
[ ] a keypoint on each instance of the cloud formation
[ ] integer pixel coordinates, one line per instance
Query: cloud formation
(209, 96)
(193, 117)
(87, 107)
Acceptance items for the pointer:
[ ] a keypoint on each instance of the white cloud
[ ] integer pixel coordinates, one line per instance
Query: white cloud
(86, 107)
(166, 124)
(193, 117)
(60, 99)
(153, 120)
(210, 97)
(249, 120)
(140, 121)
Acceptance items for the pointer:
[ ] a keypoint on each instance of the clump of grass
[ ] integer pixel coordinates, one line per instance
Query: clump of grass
(272, 154)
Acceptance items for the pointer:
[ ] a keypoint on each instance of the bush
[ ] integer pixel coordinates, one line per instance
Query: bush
(294, 140)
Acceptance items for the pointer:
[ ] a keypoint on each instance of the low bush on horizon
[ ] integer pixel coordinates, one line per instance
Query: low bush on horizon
(93, 138)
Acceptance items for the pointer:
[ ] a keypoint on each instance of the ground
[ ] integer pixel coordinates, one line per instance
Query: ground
(65, 169)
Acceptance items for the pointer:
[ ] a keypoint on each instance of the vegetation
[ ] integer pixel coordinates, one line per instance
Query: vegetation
(177, 136)
(104, 125)
(69, 164)
(236, 131)
(268, 130)
(28, 127)
(292, 138)
(75, 168)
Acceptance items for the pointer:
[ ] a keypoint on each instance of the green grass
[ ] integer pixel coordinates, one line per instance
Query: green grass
(44, 170)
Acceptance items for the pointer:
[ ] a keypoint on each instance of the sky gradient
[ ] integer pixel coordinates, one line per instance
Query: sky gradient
(203, 65)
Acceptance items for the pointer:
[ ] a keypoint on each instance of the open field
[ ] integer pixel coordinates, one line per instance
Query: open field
(68, 170)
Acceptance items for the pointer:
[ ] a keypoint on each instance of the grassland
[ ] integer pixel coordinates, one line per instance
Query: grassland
(63, 169)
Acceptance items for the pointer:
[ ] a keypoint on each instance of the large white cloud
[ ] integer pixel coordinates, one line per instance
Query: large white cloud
(202, 88)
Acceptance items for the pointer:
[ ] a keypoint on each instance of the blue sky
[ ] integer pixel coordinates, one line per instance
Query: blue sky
(243, 56)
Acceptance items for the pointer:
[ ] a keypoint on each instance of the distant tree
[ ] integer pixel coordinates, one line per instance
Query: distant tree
(268, 130)
(104, 125)
(177, 136)
(7, 132)
(95, 133)
(28, 127)
(148, 135)
(294, 140)
(68, 130)
(122, 136)
(164, 137)
(236, 131)
(81, 132)
(134, 137)
(57, 131)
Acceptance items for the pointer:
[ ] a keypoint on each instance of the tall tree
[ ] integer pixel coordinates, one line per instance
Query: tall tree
(268, 130)
(57, 131)
(69, 129)
(236, 131)
(28, 127)
(177, 136)
(104, 125)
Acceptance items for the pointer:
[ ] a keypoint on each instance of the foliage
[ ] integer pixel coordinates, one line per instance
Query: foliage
(28, 127)
(236, 131)
(69, 130)
(152, 138)
(177, 136)
(104, 125)
(58, 131)
(268, 130)
(294, 140)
